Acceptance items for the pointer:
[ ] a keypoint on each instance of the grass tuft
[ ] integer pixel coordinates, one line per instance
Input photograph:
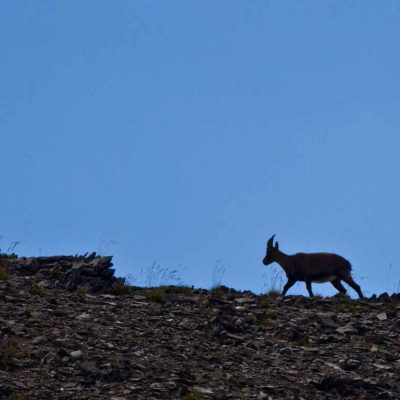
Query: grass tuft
(120, 288)
(156, 295)
(9, 352)
(4, 271)
(218, 273)
(36, 290)
(180, 289)
(4, 274)
(81, 291)
(155, 275)
(217, 292)
(194, 395)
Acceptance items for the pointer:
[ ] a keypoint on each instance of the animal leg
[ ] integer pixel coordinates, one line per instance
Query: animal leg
(308, 286)
(349, 280)
(338, 285)
(288, 285)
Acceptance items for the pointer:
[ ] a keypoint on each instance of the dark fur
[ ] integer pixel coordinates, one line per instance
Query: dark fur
(311, 267)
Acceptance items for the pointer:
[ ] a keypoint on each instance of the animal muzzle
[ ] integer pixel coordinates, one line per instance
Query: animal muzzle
(266, 261)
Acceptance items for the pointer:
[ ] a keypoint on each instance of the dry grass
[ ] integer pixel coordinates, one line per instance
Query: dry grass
(181, 289)
(218, 274)
(156, 295)
(9, 353)
(81, 291)
(36, 290)
(216, 292)
(155, 275)
(194, 395)
(4, 274)
(120, 288)
(21, 396)
(4, 271)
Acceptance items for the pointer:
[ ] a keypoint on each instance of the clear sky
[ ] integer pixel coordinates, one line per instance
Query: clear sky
(187, 132)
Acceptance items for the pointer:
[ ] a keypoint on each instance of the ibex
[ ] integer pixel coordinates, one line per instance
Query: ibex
(311, 267)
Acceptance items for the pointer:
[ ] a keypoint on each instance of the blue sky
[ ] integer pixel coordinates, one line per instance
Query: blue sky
(188, 132)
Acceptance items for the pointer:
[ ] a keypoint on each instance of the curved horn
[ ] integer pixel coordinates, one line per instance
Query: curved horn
(270, 241)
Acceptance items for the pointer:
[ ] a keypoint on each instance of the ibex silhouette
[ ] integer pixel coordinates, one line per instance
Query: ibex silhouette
(312, 267)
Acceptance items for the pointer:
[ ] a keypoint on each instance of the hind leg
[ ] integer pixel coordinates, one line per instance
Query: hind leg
(349, 280)
(338, 285)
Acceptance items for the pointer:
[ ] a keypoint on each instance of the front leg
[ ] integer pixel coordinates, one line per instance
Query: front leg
(308, 286)
(288, 285)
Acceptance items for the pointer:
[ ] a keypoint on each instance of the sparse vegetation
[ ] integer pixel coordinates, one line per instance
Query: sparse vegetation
(245, 353)
(120, 287)
(345, 305)
(130, 280)
(267, 299)
(194, 395)
(216, 292)
(181, 289)
(57, 273)
(155, 275)
(268, 322)
(345, 308)
(35, 289)
(218, 273)
(81, 291)
(28, 310)
(273, 281)
(4, 275)
(4, 271)
(156, 294)
(273, 294)
(9, 352)
(21, 396)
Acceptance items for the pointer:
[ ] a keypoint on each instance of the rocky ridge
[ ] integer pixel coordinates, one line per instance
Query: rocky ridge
(70, 330)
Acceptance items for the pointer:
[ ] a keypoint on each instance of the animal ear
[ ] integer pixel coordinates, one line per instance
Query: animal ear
(277, 246)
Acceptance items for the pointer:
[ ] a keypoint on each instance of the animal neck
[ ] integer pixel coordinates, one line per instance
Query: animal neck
(284, 261)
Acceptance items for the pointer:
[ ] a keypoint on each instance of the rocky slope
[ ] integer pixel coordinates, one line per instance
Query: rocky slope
(70, 330)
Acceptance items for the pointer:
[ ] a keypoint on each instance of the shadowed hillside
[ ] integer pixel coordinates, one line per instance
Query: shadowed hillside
(71, 330)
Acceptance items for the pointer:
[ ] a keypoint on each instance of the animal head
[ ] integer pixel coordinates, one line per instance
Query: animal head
(272, 250)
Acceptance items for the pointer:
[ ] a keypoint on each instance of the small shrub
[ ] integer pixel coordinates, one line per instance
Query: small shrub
(9, 352)
(21, 396)
(7, 362)
(268, 322)
(81, 291)
(156, 294)
(120, 288)
(217, 292)
(273, 294)
(36, 290)
(28, 310)
(245, 353)
(181, 289)
(345, 308)
(304, 341)
(268, 299)
(4, 274)
(4, 271)
(194, 395)
(57, 273)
